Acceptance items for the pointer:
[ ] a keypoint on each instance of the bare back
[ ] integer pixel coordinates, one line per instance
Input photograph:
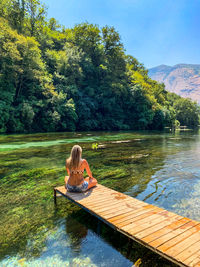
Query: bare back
(76, 175)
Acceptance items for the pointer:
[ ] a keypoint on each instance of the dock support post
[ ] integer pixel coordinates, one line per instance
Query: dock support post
(98, 227)
(130, 243)
(54, 190)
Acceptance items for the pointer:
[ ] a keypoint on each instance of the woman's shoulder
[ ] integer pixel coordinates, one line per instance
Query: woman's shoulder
(84, 161)
(67, 162)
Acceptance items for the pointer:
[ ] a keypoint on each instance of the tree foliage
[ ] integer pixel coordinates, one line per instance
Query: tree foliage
(64, 79)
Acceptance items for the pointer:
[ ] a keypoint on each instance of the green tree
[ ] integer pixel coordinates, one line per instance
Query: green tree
(54, 78)
(187, 112)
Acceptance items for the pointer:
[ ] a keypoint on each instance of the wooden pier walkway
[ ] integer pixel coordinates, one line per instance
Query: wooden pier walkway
(170, 235)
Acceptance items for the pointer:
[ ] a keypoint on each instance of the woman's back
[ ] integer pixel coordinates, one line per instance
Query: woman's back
(75, 167)
(76, 174)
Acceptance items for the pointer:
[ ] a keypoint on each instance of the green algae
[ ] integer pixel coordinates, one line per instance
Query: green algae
(44, 143)
(29, 173)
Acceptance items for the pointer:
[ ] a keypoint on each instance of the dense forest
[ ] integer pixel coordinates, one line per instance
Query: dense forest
(54, 78)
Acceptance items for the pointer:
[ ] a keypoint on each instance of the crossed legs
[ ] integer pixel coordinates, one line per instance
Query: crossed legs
(91, 181)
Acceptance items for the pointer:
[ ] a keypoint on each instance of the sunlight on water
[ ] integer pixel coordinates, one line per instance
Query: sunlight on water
(159, 168)
(12, 145)
(176, 186)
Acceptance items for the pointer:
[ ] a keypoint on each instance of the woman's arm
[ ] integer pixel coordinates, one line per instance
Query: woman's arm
(66, 166)
(86, 165)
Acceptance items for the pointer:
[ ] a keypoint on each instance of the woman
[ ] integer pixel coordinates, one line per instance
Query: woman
(75, 167)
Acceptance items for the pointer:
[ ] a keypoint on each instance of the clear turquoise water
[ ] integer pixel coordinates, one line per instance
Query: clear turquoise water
(159, 168)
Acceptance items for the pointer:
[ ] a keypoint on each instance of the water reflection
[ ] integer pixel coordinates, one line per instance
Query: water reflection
(162, 169)
(76, 232)
(176, 186)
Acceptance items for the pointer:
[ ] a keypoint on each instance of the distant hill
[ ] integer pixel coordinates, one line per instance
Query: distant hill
(182, 79)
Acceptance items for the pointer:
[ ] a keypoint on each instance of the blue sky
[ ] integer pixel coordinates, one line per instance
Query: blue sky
(154, 31)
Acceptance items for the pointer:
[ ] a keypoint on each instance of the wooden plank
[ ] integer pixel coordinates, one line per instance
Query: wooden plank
(148, 224)
(101, 200)
(179, 238)
(102, 197)
(104, 203)
(110, 207)
(189, 251)
(170, 235)
(91, 199)
(109, 214)
(150, 220)
(174, 218)
(165, 230)
(106, 210)
(120, 218)
(193, 259)
(98, 201)
(118, 204)
(85, 195)
(138, 216)
(105, 196)
(179, 247)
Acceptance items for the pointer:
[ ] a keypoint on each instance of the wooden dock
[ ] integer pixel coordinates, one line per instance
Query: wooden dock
(170, 235)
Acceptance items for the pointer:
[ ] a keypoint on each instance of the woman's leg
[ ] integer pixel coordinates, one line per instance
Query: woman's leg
(91, 182)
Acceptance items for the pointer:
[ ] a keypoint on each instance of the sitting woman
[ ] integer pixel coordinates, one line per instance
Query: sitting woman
(75, 167)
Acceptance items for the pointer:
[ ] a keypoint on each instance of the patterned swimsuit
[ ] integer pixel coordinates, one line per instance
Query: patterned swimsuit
(77, 188)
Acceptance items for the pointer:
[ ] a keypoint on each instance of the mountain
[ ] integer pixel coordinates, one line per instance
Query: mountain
(182, 79)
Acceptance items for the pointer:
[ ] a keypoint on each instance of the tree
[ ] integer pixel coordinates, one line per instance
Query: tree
(54, 78)
(187, 112)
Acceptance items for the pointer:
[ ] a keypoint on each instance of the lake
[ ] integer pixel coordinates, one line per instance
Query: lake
(158, 168)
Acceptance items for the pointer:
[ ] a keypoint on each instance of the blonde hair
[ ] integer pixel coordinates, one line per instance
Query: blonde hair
(75, 157)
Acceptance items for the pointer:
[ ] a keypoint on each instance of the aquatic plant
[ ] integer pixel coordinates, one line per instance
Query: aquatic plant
(94, 145)
(30, 225)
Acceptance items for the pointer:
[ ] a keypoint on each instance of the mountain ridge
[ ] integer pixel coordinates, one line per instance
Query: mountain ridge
(182, 79)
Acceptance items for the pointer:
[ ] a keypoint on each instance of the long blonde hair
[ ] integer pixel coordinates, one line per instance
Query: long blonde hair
(75, 157)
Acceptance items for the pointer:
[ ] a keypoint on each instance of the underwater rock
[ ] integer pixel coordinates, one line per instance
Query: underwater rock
(138, 156)
(101, 146)
(79, 262)
(120, 141)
